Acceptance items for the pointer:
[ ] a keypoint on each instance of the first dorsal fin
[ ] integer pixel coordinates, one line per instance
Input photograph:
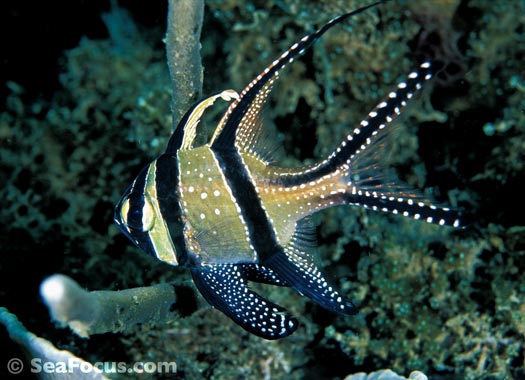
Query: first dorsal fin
(186, 131)
(238, 124)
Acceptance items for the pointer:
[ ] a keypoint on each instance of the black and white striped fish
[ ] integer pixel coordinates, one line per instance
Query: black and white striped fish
(225, 212)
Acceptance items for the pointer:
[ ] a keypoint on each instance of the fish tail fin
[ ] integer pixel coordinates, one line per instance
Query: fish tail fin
(355, 172)
(360, 160)
(371, 131)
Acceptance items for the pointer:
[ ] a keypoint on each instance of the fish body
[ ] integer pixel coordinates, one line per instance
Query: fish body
(229, 215)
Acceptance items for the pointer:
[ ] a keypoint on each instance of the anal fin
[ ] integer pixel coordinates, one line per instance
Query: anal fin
(301, 273)
(262, 274)
(225, 288)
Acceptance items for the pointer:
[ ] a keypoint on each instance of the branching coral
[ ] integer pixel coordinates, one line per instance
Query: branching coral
(42, 353)
(98, 312)
(183, 54)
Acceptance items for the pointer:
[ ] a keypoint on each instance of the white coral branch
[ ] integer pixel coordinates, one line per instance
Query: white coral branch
(97, 312)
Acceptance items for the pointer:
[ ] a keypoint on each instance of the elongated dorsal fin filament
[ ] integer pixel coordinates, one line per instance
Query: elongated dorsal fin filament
(243, 113)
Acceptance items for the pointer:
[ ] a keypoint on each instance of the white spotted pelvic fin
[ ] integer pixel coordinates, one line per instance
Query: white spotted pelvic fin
(226, 288)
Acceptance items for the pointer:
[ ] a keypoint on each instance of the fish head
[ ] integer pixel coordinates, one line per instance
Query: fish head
(148, 212)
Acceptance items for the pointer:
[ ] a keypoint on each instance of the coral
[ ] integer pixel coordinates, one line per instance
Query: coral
(386, 375)
(446, 302)
(65, 365)
(98, 312)
(73, 136)
(183, 54)
(497, 45)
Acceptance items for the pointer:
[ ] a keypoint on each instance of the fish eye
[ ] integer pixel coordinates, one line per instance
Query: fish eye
(137, 213)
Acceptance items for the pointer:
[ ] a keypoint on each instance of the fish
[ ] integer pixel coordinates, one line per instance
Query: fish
(232, 216)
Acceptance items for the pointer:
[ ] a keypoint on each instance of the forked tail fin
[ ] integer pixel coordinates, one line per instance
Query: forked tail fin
(354, 173)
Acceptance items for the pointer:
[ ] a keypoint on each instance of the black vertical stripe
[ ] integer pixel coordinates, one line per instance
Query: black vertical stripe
(167, 183)
(260, 229)
(132, 226)
(136, 200)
